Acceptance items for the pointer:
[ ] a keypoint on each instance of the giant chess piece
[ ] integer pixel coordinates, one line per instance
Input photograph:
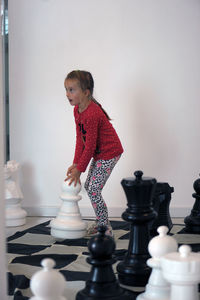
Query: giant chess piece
(102, 283)
(158, 288)
(161, 203)
(69, 224)
(133, 270)
(182, 270)
(192, 221)
(15, 214)
(47, 283)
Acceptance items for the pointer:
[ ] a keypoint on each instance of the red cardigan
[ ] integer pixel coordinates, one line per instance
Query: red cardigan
(95, 137)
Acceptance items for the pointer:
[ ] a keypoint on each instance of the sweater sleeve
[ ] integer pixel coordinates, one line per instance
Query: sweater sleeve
(91, 127)
(79, 144)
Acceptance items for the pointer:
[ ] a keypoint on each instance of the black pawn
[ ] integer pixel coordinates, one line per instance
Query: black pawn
(192, 221)
(161, 203)
(133, 270)
(102, 283)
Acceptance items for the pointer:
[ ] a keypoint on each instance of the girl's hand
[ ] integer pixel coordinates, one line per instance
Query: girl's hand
(73, 176)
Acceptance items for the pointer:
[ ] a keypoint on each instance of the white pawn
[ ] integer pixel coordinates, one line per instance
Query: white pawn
(158, 288)
(69, 224)
(47, 284)
(182, 270)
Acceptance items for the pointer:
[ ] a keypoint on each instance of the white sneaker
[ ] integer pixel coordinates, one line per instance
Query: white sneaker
(109, 231)
(92, 229)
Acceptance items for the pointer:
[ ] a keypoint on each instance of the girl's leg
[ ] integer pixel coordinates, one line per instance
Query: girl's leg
(92, 228)
(101, 171)
(89, 174)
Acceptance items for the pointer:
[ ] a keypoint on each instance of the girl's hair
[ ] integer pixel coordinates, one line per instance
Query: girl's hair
(86, 82)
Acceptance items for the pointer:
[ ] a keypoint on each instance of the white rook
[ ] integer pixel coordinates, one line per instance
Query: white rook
(182, 270)
(69, 224)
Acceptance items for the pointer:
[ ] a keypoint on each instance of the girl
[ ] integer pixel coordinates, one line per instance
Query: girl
(95, 138)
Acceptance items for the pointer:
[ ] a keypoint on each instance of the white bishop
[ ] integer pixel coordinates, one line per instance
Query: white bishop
(158, 288)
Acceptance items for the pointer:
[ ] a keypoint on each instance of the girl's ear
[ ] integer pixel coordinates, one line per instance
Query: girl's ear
(87, 92)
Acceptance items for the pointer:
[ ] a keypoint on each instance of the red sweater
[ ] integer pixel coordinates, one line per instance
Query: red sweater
(95, 137)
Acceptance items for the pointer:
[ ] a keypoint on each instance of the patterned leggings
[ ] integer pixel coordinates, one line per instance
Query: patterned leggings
(98, 174)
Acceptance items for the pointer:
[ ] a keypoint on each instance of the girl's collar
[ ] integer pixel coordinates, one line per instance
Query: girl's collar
(86, 107)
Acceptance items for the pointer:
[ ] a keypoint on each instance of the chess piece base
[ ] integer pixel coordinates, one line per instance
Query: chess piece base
(155, 293)
(65, 230)
(15, 222)
(192, 224)
(15, 215)
(109, 291)
(133, 279)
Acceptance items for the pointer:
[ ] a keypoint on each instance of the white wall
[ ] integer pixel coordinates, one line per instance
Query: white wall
(144, 56)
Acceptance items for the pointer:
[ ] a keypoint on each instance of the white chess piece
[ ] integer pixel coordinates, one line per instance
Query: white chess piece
(182, 270)
(69, 224)
(15, 215)
(158, 288)
(47, 283)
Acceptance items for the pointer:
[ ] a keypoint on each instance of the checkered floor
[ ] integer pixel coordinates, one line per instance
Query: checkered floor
(30, 244)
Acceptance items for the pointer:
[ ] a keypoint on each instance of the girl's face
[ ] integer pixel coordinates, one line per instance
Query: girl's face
(74, 92)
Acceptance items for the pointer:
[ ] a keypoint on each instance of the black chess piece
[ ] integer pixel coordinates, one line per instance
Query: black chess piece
(102, 283)
(161, 203)
(133, 270)
(192, 221)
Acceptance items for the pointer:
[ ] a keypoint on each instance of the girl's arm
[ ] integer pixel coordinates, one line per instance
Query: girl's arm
(91, 128)
(79, 145)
